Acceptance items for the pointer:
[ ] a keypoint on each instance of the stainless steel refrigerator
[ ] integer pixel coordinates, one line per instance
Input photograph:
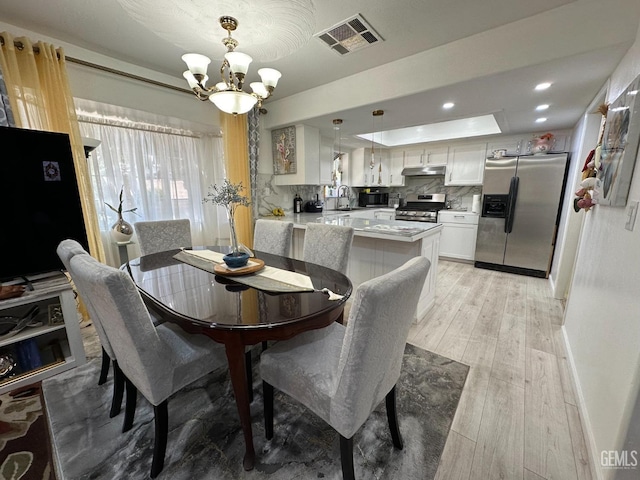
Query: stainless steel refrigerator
(520, 213)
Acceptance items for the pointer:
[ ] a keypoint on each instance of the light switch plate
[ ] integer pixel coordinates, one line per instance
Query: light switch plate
(632, 212)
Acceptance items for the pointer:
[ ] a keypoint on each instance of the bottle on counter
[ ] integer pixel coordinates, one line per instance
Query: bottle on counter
(297, 204)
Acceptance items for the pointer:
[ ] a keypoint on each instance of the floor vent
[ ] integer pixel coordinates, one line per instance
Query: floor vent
(349, 35)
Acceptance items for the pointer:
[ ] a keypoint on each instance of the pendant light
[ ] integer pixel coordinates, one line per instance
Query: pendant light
(372, 162)
(336, 166)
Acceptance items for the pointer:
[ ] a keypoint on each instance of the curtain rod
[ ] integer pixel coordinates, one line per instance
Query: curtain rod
(20, 46)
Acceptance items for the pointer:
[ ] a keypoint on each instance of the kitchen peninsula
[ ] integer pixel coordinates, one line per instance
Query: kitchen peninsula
(379, 246)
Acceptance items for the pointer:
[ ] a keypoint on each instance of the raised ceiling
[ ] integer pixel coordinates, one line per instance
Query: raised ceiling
(155, 34)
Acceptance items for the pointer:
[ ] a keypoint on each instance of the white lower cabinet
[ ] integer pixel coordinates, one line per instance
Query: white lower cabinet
(51, 345)
(458, 237)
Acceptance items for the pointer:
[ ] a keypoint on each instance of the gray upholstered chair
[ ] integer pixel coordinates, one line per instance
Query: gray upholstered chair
(161, 235)
(342, 373)
(156, 360)
(327, 245)
(269, 236)
(66, 250)
(273, 236)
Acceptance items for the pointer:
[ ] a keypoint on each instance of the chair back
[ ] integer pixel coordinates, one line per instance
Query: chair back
(273, 236)
(328, 245)
(161, 235)
(66, 250)
(375, 337)
(143, 356)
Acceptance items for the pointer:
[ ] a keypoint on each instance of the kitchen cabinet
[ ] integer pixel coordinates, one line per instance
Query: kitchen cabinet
(362, 175)
(459, 232)
(436, 156)
(396, 164)
(466, 164)
(426, 156)
(359, 173)
(325, 162)
(414, 157)
(49, 348)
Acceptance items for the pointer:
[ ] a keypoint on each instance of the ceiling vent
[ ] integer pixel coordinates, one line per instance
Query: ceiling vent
(350, 35)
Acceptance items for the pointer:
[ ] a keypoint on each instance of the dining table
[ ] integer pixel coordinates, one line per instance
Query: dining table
(187, 287)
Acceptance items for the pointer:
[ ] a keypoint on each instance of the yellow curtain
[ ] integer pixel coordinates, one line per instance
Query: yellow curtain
(236, 159)
(40, 97)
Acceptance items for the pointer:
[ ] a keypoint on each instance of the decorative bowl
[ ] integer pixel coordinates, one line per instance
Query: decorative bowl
(236, 260)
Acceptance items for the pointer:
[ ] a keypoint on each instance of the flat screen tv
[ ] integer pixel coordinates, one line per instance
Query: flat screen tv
(40, 202)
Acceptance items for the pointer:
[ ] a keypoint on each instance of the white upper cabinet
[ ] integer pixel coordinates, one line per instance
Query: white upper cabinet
(466, 164)
(414, 157)
(326, 161)
(396, 164)
(358, 175)
(362, 174)
(436, 156)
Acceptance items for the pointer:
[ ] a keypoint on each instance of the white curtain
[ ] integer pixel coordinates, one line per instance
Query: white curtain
(165, 172)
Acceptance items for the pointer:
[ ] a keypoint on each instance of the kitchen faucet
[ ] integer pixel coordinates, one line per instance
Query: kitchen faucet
(343, 199)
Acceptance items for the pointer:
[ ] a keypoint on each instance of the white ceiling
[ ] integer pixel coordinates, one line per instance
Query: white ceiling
(408, 27)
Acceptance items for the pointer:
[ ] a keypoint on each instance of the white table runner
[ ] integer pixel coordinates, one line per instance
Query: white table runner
(268, 278)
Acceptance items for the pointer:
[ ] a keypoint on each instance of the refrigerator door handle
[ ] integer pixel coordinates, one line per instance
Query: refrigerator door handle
(511, 207)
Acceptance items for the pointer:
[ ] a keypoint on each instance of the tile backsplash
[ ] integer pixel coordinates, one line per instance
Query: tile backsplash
(271, 196)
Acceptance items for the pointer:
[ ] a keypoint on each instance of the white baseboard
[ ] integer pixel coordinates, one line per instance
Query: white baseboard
(594, 455)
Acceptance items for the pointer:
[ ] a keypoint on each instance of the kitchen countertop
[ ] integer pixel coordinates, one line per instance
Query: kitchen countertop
(400, 231)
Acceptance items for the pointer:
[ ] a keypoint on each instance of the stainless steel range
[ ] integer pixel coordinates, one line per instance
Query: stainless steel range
(422, 208)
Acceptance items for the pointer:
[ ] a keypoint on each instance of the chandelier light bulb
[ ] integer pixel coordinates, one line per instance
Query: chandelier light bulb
(196, 63)
(238, 62)
(269, 76)
(259, 89)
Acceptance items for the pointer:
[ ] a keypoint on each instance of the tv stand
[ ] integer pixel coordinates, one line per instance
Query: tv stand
(42, 351)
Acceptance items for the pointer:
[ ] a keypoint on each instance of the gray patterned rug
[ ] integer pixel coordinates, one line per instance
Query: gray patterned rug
(205, 439)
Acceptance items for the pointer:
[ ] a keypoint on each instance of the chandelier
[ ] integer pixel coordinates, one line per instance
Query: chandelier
(227, 94)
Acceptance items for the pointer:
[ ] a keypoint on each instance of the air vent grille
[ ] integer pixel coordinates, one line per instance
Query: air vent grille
(350, 35)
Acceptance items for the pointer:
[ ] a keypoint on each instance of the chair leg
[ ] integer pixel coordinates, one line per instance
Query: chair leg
(392, 417)
(161, 420)
(267, 394)
(130, 405)
(118, 390)
(104, 370)
(249, 373)
(346, 458)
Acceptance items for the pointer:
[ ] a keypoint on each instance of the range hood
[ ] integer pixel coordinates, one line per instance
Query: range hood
(426, 170)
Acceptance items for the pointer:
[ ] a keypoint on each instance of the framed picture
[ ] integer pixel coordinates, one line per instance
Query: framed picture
(619, 148)
(284, 150)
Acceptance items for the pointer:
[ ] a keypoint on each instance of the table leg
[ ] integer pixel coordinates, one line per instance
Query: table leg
(235, 357)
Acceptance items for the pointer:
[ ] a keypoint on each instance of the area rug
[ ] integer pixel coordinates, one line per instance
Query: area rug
(205, 440)
(25, 445)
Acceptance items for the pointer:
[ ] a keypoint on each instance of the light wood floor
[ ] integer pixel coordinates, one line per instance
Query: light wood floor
(517, 417)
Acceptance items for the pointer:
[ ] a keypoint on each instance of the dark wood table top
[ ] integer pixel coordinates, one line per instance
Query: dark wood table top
(185, 293)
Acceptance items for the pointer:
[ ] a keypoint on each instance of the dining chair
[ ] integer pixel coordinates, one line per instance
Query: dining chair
(158, 360)
(328, 245)
(341, 373)
(269, 236)
(160, 235)
(273, 236)
(66, 250)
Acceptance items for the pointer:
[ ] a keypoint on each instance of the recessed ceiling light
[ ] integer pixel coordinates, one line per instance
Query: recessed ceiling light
(541, 119)
(542, 107)
(543, 86)
(448, 105)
